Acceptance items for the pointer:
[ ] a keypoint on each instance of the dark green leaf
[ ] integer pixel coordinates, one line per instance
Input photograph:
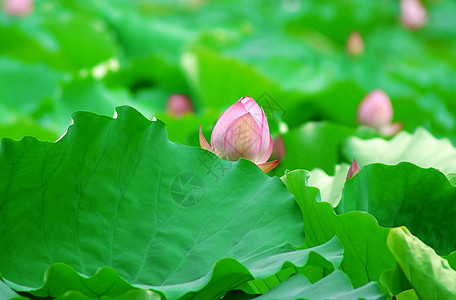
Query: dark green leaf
(421, 199)
(116, 192)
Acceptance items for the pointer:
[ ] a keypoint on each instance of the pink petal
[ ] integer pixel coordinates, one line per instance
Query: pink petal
(242, 139)
(413, 14)
(203, 142)
(265, 155)
(266, 167)
(355, 44)
(179, 105)
(253, 109)
(266, 140)
(226, 119)
(375, 110)
(354, 169)
(18, 8)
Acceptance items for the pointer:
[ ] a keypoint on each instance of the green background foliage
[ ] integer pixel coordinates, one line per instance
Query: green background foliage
(99, 200)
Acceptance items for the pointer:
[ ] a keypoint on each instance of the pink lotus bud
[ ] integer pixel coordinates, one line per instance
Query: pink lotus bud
(179, 105)
(355, 44)
(242, 131)
(375, 110)
(354, 169)
(413, 14)
(278, 149)
(18, 8)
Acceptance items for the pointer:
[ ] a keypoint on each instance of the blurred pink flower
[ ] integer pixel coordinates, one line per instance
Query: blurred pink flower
(18, 8)
(413, 14)
(376, 111)
(355, 44)
(242, 131)
(179, 105)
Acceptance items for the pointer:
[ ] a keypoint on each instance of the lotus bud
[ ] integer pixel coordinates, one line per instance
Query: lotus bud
(413, 14)
(375, 109)
(354, 169)
(18, 8)
(179, 105)
(242, 131)
(278, 149)
(355, 44)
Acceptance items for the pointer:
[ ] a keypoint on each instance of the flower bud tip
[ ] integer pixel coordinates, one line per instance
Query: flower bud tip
(354, 169)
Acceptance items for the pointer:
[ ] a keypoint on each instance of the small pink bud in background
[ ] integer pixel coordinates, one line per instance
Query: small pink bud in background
(354, 169)
(278, 149)
(179, 105)
(355, 44)
(375, 110)
(242, 131)
(413, 14)
(18, 8)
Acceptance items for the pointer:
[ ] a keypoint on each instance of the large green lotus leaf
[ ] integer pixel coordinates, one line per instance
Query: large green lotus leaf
(314, 145)
(336, 286)
(229, 274)
(116, 192)
(430, 275)
(6, 293)
(421, 199)
(61, 279)
(419, 148)
(366, 255)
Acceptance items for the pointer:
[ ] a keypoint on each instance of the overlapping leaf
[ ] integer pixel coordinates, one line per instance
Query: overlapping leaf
(429, 274)
(365, 253)
(335, 286)
(419, 148)
(421, 199)
(116, 192)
